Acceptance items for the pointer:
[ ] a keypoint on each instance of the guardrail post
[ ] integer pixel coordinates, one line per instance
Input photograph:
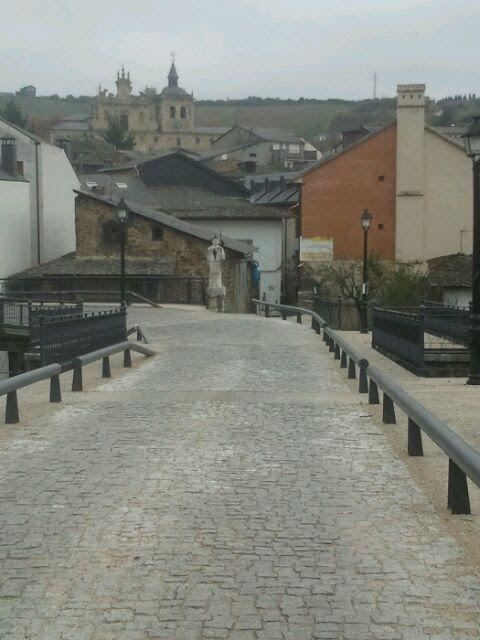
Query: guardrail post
(299, 318)
(388, 410)
(127, 358)
(77, 380)
(352, 374)
(343, 360)
(313, 323)
(55, 391)
(325, 336)
(317, 327)
(458, 499)
(11, 409)
(415, 447)
(284, 315)
(337, 353)
(267, 311)
(139, 333)
(373, 393)
(106, 373)
(331, 345)
(363, 380)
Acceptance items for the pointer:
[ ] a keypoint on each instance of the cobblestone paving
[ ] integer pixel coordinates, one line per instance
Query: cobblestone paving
(231, 488)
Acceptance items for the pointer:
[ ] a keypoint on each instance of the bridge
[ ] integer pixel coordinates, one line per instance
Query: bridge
(234, 486)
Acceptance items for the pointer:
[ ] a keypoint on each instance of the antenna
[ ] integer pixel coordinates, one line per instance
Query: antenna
(375, 78)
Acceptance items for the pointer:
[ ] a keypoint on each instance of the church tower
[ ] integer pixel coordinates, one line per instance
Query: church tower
(176, 107)
(124, 86)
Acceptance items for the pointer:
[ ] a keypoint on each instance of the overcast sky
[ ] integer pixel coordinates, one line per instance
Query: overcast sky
(236, 48)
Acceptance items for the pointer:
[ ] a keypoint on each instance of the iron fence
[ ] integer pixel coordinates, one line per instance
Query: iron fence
(399, 334)
(61, 339)
(25, 314)
(452, 323)
(161, 289)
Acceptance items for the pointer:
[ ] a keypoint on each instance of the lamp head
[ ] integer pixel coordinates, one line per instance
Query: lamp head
(366, 219)
(122, 211)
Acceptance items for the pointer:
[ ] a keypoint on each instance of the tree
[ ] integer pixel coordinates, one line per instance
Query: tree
(13, 114)
(116, 135)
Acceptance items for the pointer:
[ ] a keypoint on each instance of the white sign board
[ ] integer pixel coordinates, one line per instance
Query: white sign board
(319, 249)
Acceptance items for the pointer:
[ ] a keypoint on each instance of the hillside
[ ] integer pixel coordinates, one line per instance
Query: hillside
(308, 118)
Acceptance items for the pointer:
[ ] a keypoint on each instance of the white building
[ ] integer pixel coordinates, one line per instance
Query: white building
(14, 224)
(51, 181)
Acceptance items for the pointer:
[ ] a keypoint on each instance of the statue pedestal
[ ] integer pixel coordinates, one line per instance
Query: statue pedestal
(216, 299)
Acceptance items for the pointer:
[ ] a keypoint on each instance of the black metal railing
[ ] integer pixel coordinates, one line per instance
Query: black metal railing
(464, 460)
(166, 289)
(25, 314)
(64, 338)
(451, 323)
(400, 334)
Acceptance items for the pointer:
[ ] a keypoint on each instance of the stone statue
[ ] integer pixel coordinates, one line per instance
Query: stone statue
(216, 291)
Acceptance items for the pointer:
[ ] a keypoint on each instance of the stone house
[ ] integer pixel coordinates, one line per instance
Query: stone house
(180, 186)
(414, 180)
(451, 278)
(51, 200)
(163, 255)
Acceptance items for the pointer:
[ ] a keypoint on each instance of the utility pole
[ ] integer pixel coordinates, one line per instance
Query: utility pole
(375, 77)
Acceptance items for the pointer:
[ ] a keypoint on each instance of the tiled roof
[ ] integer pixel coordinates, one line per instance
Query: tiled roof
(450, 271)
(70, 265)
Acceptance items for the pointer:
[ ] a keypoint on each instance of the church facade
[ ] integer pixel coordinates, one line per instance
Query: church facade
(159, 122)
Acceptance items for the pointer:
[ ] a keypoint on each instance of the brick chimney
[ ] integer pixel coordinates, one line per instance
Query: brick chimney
(9, 155)
(410, 171)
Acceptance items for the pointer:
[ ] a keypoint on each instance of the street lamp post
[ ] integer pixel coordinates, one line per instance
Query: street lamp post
(472, 147)
(122, 213)
(366, 219)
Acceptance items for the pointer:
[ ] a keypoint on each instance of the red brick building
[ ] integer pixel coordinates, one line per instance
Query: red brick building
(336, 190)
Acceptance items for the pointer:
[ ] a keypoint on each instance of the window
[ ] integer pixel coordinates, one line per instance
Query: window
(381, 178)
(197, 140)
(183, 112)
(380, 226)
(173, 113)
(141, 117)
(276, 146)
(179, 142)
(224, 156)
(106, 115)
(294, 148)
(20, 167)
(124, 122)
(157, 232)
(252, 155)
(122, 185)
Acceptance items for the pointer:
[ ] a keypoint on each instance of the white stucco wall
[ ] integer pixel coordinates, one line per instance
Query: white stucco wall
(266, 236)
(26, 154)
(56, 200)
(448, 198)
(58, 220)
(15, 253)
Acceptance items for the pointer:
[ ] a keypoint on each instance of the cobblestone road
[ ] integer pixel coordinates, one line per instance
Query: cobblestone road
(233, 487)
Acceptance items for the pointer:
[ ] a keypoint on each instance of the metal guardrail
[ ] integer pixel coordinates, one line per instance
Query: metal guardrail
(10, 387)
(104, 356)
(464, 460)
